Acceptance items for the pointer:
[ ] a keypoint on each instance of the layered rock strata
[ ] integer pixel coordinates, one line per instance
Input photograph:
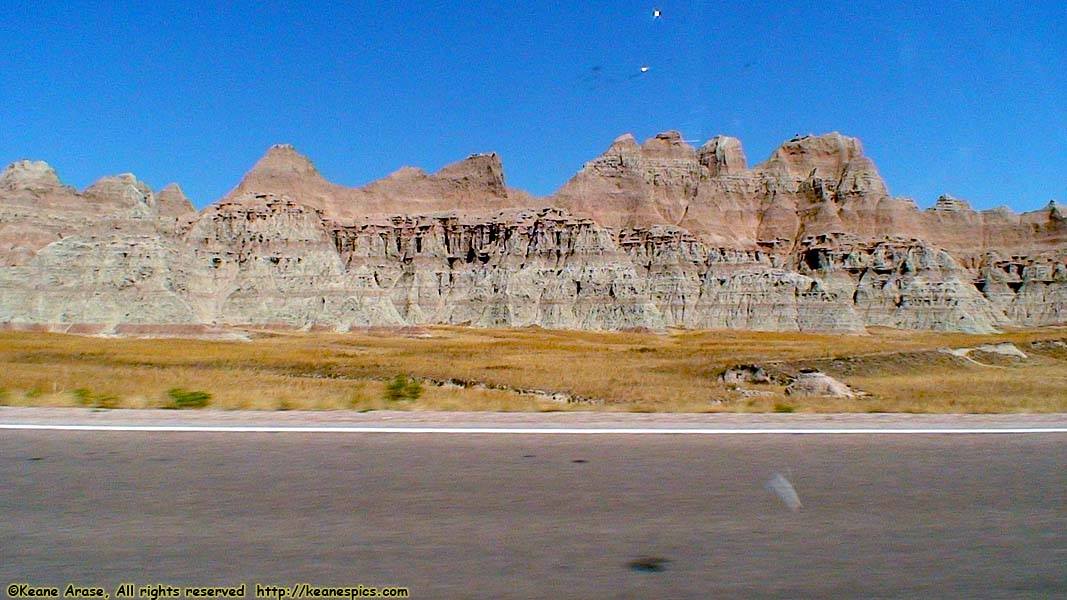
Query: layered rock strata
(652, 235)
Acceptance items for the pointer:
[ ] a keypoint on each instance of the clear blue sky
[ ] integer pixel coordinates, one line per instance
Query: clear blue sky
(968, 98)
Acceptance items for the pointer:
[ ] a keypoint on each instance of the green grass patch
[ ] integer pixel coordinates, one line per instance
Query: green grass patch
(86, 397)
(402, 388)
(181, 398)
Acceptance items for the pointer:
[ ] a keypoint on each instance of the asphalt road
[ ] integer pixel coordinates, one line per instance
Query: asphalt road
(529, 516)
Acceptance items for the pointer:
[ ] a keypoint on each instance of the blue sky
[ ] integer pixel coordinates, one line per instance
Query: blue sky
(968, 98)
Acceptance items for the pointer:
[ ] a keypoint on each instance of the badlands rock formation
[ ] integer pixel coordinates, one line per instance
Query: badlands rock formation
(652, 235)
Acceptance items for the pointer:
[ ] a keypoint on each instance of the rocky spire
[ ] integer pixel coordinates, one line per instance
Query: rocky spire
(282, 161)
(824, 156)
(481, 171)
(172, 201)
(284, 171)
(668, 144)
(723, 155)
(124, 192)
(947, 203)
(29, 175)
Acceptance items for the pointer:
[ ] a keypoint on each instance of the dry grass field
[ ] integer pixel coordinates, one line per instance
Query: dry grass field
(478, 369)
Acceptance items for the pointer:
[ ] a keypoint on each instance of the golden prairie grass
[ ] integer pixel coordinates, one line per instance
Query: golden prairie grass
(620, 371)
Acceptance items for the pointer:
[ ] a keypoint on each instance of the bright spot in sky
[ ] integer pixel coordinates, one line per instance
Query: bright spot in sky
(644, 69)
(656, 13)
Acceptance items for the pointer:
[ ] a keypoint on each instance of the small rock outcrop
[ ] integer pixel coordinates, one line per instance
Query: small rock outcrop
(1003, 349)
(948, 204)
(742, 374)
(819, 384)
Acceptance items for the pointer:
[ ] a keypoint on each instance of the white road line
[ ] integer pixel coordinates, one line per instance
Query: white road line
(535, 430)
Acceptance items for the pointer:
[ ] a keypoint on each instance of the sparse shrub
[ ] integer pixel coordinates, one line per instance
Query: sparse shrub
(86, 397)
(182, 398)
(34, 393)
(284, 404)
(403, 388)
(3, 396)
(784, 408)
(414, 389)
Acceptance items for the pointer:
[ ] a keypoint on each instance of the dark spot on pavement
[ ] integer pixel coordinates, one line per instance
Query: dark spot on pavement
(579, 460)
(648, 564)
(35, 458)
(528, 455)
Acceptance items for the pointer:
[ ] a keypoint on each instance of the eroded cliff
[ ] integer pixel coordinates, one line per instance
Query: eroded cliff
(652, 235)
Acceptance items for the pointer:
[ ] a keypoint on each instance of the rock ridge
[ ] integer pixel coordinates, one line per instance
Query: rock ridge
(648, 235)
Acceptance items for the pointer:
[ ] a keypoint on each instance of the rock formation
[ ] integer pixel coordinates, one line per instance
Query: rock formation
(652, 235)
(474, 184)
(37, 210)
(819, 384)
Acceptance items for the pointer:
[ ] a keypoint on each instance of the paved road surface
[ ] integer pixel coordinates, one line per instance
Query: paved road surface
(527, 516)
